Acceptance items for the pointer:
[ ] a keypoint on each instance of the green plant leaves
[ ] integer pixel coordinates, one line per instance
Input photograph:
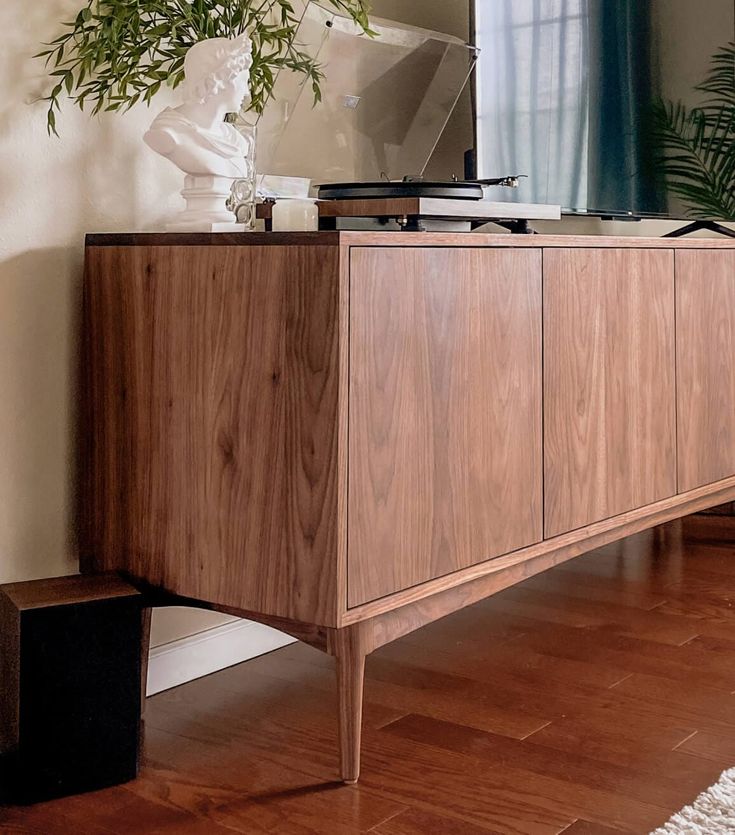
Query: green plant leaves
(119, 52)
(698, 144)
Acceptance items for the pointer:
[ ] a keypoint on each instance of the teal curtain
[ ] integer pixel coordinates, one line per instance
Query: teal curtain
(622, 171)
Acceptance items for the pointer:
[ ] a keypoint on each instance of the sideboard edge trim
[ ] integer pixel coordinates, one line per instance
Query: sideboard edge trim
(558, 549)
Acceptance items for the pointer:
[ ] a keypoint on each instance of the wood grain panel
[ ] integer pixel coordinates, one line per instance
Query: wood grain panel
(609, 390)
(211, 423)
(445, 413)
(705, 350)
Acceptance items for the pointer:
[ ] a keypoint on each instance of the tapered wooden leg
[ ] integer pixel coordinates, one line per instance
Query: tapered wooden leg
(350, 656)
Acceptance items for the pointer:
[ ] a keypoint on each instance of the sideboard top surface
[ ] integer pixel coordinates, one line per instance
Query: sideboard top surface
(404, 239)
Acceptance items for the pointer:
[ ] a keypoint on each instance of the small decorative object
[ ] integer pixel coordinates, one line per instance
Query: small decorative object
(243, 197)
(116, 53)
(195, 136)
(699, 143)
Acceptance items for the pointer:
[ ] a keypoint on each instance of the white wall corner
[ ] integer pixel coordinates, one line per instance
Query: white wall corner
(207, 652)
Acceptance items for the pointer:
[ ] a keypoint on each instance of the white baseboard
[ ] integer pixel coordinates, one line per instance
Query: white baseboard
(206, 652)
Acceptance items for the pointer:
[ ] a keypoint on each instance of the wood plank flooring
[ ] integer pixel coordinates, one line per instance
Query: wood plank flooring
(592, 700)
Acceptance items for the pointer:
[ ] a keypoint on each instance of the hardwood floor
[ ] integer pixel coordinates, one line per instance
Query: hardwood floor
(594, 699)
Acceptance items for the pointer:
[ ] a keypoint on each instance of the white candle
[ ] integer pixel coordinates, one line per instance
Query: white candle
(295, 214)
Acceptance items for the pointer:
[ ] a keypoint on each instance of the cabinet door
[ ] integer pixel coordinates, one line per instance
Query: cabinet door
(609, 393)
(445, 412)
(705, 348)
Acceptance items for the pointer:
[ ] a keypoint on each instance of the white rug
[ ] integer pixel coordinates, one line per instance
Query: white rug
(712, 813)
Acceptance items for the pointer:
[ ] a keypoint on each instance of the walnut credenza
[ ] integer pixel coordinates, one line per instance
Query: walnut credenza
(349, 435)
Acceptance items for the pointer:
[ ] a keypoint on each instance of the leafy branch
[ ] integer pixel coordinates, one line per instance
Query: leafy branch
(698, 144)
(116, 53)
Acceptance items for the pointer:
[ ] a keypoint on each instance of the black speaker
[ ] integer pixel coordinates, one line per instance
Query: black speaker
(70, 686)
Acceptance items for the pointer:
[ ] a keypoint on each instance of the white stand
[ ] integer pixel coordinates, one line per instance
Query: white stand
(205, 206)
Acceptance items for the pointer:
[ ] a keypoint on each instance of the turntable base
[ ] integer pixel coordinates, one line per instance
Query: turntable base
(423, 213)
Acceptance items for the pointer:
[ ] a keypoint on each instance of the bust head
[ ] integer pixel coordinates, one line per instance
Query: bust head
(194, 135)
(218, 69)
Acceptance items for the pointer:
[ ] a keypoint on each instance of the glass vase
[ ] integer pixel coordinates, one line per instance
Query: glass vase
(244, 189)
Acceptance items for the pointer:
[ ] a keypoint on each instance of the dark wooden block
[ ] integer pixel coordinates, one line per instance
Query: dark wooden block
(70, 674)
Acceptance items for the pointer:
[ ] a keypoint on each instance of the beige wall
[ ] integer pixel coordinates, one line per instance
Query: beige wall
(686, 36)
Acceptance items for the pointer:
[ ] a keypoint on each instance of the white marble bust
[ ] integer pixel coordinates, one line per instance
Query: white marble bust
(195, 137)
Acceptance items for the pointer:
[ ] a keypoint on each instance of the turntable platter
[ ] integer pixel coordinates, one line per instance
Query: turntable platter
(455, 190)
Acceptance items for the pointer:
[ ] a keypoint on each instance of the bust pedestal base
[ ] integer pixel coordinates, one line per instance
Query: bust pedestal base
(205, 206)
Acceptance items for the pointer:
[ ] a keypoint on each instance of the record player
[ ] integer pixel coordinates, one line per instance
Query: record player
(386, 102)
(417, 205)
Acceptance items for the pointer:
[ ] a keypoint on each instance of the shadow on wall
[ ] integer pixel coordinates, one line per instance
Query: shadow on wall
(39, 305)
(97, 177)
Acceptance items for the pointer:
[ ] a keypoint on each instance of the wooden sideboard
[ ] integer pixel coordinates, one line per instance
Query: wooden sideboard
(349, 435)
